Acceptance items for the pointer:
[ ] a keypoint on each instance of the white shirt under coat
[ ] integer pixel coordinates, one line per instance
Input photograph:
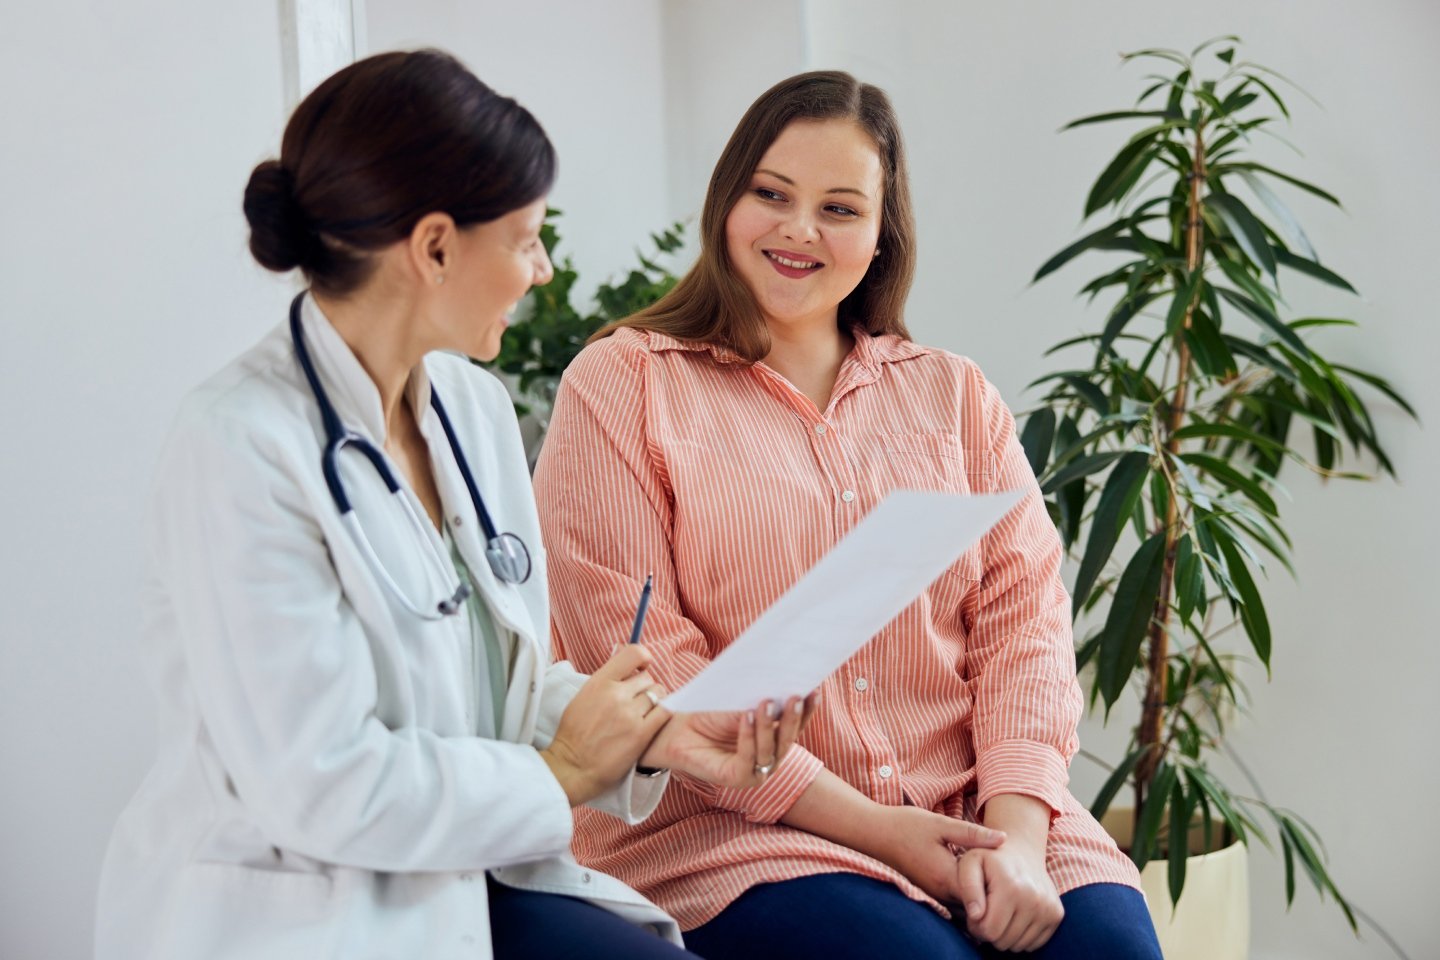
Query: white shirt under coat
(318, 791)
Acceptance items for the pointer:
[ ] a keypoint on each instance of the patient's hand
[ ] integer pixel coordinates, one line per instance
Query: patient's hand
(1009, 898)
(729, 749)
(921, 845)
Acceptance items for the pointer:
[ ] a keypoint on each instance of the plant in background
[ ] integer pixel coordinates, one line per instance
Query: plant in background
(550, 331)
(1178, 428)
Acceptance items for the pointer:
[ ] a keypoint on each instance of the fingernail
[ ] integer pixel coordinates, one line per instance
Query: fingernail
(973, 909)
(799, 706)
(750, 718)
(774, 711)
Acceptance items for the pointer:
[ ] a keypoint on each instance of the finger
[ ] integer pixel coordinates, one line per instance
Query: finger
(789, 729)
(745, 746)
(650, 698)
(627, 658)
(766, 725)
(635, 686)
(652, 722)
(999, 911)
(970, 886)
(812, 703)
(969, 835)
(1014, 932)
(1034, 937)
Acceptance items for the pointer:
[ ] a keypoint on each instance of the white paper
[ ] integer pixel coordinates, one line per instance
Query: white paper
(863, 583)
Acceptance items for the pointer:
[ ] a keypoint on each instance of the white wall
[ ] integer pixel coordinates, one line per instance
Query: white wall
(129, 131)
(124, 279)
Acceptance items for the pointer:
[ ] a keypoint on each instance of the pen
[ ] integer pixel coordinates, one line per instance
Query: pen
(640, 611)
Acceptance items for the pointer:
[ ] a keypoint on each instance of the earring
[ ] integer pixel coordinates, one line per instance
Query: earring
(876, 253)
(439, 278)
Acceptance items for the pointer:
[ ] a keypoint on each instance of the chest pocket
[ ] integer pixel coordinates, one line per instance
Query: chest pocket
(939, 462)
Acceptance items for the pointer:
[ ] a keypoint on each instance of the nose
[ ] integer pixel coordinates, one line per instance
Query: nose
(800, 226)
(544, 269)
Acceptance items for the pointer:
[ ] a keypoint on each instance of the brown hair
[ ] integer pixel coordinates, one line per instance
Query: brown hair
(379, 145)
(711, 304)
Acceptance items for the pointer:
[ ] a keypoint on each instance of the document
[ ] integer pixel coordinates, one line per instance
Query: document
(864, 582)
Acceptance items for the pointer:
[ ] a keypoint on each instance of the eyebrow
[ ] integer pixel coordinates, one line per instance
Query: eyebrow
(784, 179)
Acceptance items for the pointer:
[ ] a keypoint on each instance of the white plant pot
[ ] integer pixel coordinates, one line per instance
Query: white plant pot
(1212, 920)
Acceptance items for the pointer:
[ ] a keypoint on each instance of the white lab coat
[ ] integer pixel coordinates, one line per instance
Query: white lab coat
(318, 792)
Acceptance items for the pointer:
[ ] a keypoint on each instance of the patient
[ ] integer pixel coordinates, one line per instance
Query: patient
(725, 439)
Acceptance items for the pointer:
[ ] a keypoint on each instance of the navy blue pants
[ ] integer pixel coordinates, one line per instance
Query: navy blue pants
(546, 926)
(837, 916)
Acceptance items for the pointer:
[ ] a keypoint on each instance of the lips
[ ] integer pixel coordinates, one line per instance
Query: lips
(793, 265)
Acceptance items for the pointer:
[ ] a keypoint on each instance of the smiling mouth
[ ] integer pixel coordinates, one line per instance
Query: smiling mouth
(793, 264)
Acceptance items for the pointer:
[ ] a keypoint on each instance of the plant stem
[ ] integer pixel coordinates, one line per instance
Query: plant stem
(1151, 732)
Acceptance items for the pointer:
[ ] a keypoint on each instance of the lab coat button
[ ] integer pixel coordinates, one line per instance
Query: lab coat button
(532, 686)
(467, 877)
(848, 496)
(862, 684)
(584, 878)
(456, 521)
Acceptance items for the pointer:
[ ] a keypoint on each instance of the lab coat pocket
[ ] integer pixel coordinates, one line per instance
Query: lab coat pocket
(226, 910)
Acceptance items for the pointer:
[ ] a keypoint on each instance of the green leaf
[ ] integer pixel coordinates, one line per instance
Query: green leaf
(1037, 437)
(1189, 579)
(1182, 808)
(1183, 300)
(1120, 115)
(1293, 181)
(1266, 318)
(1114, 782)
(1289, 866)
(1271, 91)
(1252, 605)
(1281, 212)
(1247, 230)
(1151, 814)
(1312, 269)
(1079, 467)
(1203, 430)
(1234, 479)
(1174, 56)
(1208, 347)
(1123, 313)
(1093, 396)
(1117, 500)
(1129, 618)
(1242, 278)
(1222, 38)
(1379, 383)
(1080, 246)
(1129, 162)
(1220, 797)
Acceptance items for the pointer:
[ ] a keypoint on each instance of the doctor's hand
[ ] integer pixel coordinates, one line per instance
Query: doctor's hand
(737, 750)
(606, 727)
(921, 845)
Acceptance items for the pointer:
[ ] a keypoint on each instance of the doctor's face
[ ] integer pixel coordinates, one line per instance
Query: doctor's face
(496, 264)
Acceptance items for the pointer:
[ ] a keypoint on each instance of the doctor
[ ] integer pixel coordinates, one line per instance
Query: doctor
(365, 750)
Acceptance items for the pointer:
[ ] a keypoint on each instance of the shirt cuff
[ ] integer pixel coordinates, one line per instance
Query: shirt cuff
(771, 800)
(1022, 766)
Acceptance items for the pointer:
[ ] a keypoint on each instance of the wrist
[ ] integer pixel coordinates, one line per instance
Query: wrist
(572, 779)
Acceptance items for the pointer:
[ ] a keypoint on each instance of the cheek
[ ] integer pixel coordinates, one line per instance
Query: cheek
(744, 226)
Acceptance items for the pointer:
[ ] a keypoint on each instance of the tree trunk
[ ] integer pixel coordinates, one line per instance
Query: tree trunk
(1151, 732)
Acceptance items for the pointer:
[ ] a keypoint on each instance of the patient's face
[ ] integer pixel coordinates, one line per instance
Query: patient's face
(803, 234)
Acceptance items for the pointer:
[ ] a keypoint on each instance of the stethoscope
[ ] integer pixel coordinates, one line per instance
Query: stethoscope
(506, 553)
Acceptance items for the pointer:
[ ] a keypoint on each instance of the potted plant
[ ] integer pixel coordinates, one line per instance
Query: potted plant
(550, 330)
(1175, 425)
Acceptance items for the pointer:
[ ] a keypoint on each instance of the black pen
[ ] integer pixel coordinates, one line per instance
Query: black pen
(640, 611)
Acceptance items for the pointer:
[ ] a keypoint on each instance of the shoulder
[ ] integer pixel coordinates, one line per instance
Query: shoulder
(908, 359)
(458, 376)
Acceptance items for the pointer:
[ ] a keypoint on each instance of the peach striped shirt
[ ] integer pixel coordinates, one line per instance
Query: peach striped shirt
(725, 481)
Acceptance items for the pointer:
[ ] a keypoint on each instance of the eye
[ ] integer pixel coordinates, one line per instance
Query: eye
(765, 193)
(841, 210)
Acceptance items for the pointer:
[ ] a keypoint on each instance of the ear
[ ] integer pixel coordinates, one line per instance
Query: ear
(431, 248)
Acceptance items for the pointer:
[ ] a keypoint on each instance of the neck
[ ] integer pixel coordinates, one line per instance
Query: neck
(380, 332)
(809, 355)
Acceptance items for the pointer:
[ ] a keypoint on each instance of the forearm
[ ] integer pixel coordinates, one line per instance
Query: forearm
(1024, 819)
(833, 809)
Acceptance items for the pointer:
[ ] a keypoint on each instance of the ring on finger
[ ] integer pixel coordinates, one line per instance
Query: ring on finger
(764, 769)
(652, 696)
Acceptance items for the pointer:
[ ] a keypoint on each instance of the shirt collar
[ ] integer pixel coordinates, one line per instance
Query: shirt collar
(353, 394)
(871, 352)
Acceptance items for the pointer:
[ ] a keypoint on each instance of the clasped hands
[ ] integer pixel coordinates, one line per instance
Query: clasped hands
(615, 722)
(997, 880)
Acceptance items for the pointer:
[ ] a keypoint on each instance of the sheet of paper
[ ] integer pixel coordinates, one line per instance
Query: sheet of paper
(864, 582)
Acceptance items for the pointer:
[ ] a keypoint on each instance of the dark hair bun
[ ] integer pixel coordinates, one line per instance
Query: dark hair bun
(280, 237)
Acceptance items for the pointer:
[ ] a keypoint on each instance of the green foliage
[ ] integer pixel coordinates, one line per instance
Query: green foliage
(550, 330)
(1198, 392)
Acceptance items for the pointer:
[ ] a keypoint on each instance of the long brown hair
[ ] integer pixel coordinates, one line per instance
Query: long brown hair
(711, 304)
(379, 145)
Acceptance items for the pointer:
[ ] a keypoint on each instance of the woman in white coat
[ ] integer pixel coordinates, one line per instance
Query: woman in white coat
(365, 750)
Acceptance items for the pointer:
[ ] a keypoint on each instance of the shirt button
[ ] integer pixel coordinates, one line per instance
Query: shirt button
(820, 429)
(862, 684)
(885, 772)
(848, 496)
